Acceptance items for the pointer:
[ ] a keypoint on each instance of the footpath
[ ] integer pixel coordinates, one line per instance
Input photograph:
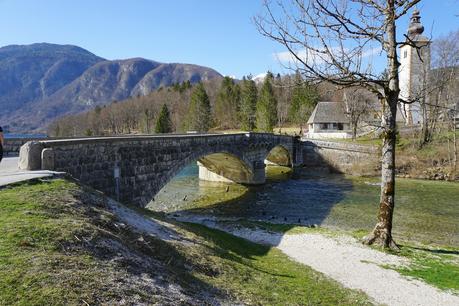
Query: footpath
(347, 261)
(10, 173)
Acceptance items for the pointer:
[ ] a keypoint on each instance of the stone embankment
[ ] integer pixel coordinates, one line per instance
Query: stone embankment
(432, 173)
(342, 157)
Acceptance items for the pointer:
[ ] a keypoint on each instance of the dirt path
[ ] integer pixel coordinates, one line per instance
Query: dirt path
(350, 263)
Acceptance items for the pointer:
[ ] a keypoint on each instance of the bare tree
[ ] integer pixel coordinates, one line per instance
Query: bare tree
(357, 106)
(334, 40)
(445, 54)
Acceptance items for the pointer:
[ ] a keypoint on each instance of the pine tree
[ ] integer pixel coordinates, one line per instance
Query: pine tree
(227, 104)
(199, 116)
(266, 111)
(304, 99)
(248, 104)
(163, 123)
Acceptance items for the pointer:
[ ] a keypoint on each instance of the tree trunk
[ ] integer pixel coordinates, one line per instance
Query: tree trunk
(425, 133)
(454, 143)
(382, 232)
(354, 131)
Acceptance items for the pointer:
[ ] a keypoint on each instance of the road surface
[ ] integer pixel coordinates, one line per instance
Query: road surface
(10, 173)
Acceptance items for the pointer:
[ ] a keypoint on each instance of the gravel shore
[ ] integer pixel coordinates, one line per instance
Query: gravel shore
(347, 261)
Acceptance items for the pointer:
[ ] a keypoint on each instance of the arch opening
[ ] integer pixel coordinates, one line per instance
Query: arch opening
(224, 167)
(278, 156)
(186, 183)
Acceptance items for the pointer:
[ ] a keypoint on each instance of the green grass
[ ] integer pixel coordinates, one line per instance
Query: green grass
(53, 252)
(364, 140)
(439, 267)
(265, 276)
(32, 247)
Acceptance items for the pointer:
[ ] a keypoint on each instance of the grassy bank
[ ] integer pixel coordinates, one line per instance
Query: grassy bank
(429, 161)
(61, 244)
(436, 266)
(425, 223)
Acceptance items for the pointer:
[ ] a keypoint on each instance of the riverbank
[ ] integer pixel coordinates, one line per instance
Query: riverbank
(426, 211)
(66, 244)
(431, 161)
(355, 266)
(425, 224)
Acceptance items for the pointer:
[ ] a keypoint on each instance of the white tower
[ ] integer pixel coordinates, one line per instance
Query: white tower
(414, 70)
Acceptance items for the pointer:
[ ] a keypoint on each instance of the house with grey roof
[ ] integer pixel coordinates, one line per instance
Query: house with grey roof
(329, 120)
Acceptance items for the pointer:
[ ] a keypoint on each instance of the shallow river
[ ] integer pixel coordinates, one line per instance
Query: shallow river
(329, 200)
(300, 198)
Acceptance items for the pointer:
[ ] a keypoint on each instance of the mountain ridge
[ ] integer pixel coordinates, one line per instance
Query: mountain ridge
(42, 81)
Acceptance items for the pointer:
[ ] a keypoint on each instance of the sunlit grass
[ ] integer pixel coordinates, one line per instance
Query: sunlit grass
(42, 223)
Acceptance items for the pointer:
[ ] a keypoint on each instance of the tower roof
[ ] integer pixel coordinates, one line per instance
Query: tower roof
(415, 29)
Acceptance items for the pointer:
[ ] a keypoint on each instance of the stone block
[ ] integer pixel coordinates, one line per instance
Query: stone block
(30, 156)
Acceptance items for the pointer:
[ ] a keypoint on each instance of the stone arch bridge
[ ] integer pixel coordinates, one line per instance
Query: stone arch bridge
(134, 168)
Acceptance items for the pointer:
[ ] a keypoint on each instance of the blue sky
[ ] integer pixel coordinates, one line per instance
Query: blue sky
(213, 33)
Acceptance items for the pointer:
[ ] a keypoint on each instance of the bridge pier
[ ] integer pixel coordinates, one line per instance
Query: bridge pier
(207, 175)
(212, 174)
(259, 173)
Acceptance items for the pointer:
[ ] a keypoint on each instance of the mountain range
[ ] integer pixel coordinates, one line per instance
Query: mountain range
(41, 82)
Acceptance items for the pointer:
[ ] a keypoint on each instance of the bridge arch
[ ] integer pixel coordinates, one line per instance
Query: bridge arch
(135, 168)
(279, 155)
(229, 165)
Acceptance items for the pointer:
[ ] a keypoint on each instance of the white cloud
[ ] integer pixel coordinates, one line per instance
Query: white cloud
(316, 58)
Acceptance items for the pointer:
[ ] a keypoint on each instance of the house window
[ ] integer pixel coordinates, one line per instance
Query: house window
(340, 127)
(334, 126)
(324, 126)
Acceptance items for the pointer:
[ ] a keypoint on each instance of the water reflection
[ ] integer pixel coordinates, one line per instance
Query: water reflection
(329, 200)
(302, 199)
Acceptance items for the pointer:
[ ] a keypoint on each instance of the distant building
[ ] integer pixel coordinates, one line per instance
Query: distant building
(329, 120)
(414, 70)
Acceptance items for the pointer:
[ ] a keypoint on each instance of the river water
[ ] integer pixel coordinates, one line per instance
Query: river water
(13, 135)
(300, 198)
(309, 197)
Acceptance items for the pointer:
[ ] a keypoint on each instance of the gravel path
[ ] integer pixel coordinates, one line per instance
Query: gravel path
(350, 263)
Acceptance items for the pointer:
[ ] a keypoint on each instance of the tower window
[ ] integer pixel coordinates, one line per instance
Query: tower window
(405, 54)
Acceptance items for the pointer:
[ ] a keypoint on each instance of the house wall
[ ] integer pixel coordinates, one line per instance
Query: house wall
(316, 132)
(329, 135)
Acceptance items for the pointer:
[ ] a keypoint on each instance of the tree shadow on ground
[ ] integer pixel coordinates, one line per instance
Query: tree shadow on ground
(232, 248)
(433, 251)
